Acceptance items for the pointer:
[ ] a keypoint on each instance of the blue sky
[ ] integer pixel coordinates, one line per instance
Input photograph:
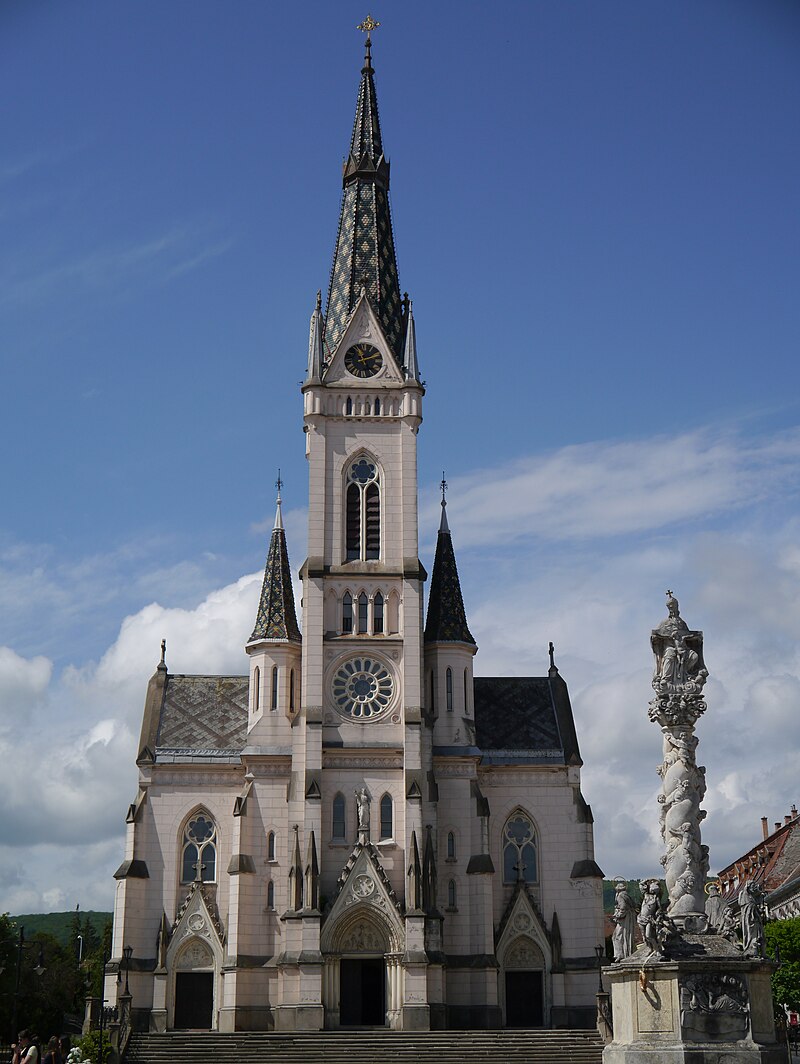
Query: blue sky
(596, 214)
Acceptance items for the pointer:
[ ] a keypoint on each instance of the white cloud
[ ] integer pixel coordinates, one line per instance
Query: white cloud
(618, 488)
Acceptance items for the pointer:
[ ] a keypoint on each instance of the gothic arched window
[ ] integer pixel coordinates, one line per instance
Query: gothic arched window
(449, 689)
(466, 691)
(339, 826)
(386, 817)
(271, 846)
(291, 691)
(519, 849)
(362, 512)
(256, 688)
(199, 857)
(274, 702)
(270, 895)
(347, 613)
(451, 846)
(451, 894)
(377, 614)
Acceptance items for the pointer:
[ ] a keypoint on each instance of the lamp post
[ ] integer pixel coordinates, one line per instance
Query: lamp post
(39, 969)
(599, 950)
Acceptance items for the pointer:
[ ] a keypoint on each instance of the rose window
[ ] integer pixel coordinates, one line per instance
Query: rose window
(362, 688)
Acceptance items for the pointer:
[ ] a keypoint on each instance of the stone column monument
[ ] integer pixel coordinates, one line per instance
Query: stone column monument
(678, 681)
(688, 993)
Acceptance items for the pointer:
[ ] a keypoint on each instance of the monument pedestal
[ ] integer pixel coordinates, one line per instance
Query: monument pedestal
(706, 1004)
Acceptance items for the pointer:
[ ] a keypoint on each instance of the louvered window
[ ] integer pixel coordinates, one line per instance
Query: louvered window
(373, 522)
(362, 512)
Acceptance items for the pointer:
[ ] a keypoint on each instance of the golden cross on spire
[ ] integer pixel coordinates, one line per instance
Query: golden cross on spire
(367, 26)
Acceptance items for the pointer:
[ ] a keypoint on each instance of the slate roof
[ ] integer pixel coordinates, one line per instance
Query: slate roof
(365, 253)
(524, 717)
(276, 617)
(518, 719)
(203, 715)
(447, 619)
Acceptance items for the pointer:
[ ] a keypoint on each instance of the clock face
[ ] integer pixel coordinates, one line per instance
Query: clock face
(362, 688)
(363, 360)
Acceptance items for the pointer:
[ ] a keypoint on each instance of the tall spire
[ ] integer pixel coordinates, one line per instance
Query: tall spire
(447, 618)
(365, 255)
(276, 618)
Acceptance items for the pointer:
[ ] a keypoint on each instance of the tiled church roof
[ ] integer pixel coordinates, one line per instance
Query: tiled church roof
(527, 717)
(365, 254)
(203, 714)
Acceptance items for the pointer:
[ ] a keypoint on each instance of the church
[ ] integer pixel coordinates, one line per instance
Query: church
(358, 831)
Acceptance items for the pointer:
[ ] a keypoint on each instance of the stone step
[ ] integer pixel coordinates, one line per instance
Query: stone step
(377, 1047)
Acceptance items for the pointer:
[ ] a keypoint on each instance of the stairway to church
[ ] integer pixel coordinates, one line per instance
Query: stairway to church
(371, 1046)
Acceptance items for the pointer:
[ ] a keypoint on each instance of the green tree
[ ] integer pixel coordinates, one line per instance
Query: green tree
(784, 935)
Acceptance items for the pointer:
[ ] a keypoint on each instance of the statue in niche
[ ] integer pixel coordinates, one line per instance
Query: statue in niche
(362, 802)
(751, 900)
(624, 919)
(714, 907)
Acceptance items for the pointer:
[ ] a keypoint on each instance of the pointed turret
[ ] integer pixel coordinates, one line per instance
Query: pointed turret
(276, 618)
(365, 254)
(315, 355)
(410, 350)
(447, 619)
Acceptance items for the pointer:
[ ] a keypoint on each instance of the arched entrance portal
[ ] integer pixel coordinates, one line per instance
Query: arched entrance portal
(524, 985)
(363, 974)
(194, 987)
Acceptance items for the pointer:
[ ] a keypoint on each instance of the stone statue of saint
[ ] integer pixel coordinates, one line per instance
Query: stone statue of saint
(751, 898)
(714, 907)
(362, 800)
(624, 919)
(655, 925)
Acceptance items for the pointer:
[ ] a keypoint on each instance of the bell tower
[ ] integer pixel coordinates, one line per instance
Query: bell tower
(361, 756)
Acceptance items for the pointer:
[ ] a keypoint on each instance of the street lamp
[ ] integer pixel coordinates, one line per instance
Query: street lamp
(600, 950)
(39, 969)
(128, 951)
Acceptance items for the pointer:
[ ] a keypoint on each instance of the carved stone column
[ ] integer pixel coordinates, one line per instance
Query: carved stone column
(678, 681)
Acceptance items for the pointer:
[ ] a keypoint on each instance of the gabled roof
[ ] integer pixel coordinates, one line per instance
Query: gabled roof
(527, 718)
(203, 716)
(365, 254)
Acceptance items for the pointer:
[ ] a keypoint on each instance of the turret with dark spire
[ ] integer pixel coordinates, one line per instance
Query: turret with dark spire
(276, 618)
(447, 618)
(365, 255)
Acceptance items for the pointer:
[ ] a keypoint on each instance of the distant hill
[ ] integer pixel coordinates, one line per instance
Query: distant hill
(59, 925)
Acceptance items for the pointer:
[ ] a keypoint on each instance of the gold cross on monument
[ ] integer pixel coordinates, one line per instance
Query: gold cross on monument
(367, 26)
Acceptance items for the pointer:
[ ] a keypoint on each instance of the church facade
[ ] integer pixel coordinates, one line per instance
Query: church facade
(358, 831)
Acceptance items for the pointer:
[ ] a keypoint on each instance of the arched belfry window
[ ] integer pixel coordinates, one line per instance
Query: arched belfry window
(377, 614)
(449, 689)
(362, 511)
(274, 699)
(519, 849)
(199, 857)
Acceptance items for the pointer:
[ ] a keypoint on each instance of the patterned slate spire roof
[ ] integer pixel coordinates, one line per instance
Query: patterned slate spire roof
(447, 618)
(276, 618)
(365, 255)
